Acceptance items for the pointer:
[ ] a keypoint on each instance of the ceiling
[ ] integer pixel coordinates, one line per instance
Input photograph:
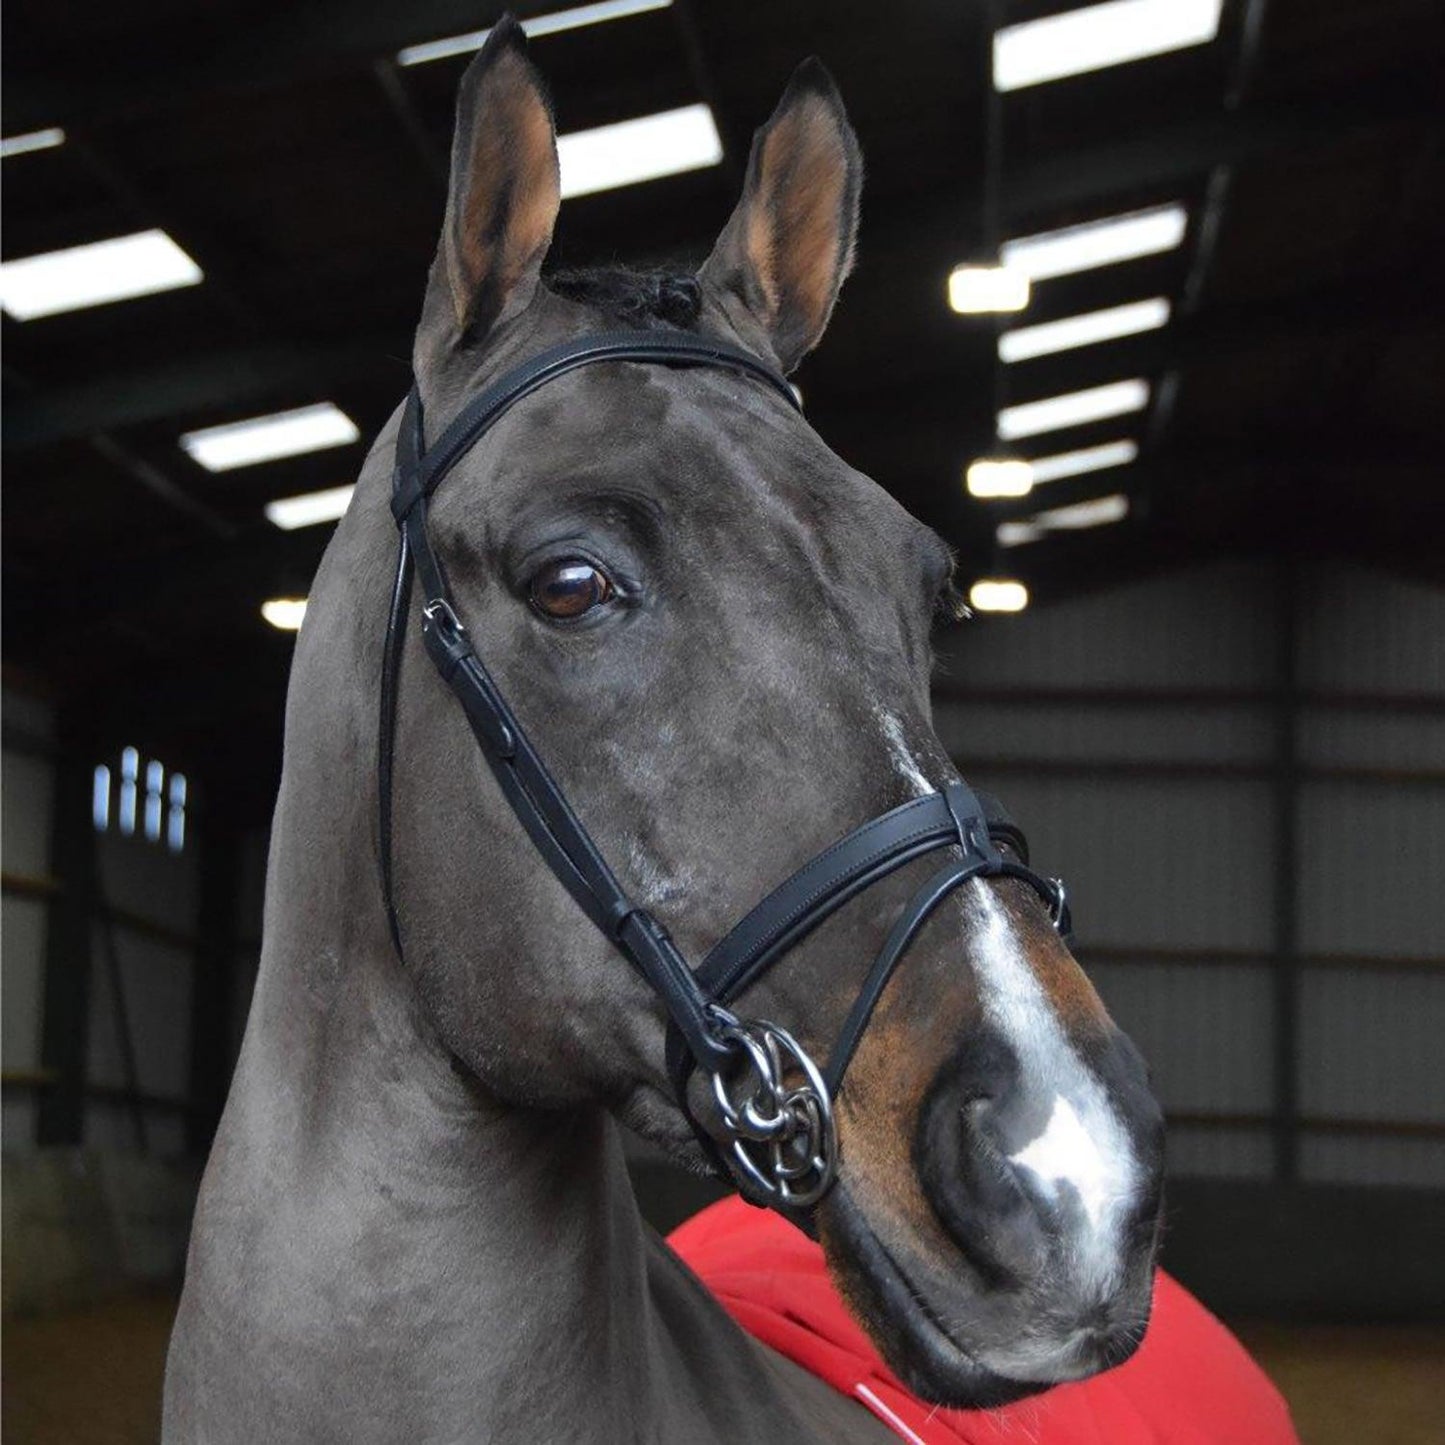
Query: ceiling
(1296, 391)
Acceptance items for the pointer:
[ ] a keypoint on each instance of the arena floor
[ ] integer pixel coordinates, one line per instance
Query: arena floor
(93, 1377)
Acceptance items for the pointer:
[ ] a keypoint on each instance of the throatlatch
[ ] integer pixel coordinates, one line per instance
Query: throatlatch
(774, 1106)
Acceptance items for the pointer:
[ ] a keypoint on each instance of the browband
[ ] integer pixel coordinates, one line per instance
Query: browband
(772, 1102)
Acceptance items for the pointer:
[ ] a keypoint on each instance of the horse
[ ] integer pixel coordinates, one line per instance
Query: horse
(416, 1222)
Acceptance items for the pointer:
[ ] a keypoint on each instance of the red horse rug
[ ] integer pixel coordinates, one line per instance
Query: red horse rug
(1190, 1383)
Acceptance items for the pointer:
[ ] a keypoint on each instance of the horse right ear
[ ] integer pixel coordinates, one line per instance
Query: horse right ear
(502, 201)
(789, 244)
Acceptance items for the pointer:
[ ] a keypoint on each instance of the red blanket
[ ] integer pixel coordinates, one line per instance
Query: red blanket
(1190, 1383)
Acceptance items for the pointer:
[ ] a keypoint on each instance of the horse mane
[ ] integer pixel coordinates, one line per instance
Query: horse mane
(654, 300)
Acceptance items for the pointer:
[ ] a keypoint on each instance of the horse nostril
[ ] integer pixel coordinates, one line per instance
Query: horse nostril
(977, 1194)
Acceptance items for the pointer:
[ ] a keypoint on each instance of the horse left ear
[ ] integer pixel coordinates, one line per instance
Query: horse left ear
(789, 244)
(501, 204)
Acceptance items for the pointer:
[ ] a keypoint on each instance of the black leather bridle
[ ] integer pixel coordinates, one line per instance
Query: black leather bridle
(774, 1105)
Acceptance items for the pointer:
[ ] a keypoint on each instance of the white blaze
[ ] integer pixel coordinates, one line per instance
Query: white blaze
(1083, 1145)
(904, 762)
(1065, 1153)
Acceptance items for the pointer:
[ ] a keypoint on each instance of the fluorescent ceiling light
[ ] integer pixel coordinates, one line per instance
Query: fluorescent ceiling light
(1097, 36)
(572, 19)
(1024, 343)
(1086, 459)
(285, 613)
(990, 477)
(307, 510)
(1096, 512)
(94, 274)
(643, 149)
(1074, 408)
(1097, 243)
(35, 140)
(998, 594)
(264, 438)
(976, 289)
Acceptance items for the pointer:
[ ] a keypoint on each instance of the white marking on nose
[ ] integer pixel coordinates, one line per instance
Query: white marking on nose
(1065, 1153)
(904, 762)
(1084, 1142)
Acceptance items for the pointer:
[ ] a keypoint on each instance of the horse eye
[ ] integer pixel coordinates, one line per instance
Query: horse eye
(569, 588)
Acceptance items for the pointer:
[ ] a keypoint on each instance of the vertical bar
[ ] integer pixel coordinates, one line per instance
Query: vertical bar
(65, 1016)
(124, 1037)
(971, 350)
(1286, 874)
(219, 837)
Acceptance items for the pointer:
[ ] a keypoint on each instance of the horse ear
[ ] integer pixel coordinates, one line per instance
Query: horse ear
(789, 244)
(502, 201)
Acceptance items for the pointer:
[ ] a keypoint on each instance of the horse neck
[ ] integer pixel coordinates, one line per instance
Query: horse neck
(403, 1229)
(397, 1253)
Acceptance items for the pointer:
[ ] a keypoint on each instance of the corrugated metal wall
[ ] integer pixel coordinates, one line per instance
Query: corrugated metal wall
(1241, 773)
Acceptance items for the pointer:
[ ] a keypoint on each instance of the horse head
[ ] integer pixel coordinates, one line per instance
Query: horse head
(717, 633)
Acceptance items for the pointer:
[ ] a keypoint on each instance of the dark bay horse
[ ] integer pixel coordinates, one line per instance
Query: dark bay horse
(416, 1224)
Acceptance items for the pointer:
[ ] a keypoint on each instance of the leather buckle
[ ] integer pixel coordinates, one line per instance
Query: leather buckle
(440, 608)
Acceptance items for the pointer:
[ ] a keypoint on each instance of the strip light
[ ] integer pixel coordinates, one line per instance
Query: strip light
(34, 140)
(94, 275)
(310, 508)
(265, 438)
(998, 594)
(643, 149)
(1024, 343)
(1097, 512)
(973, 290)
(1073, 408)
(559, 20)
(1097, 36)
(999, 477)
(285, 613)
(1086, 459)
(1097, 243)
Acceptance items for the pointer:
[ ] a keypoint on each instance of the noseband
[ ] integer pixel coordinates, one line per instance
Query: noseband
(774, 1105)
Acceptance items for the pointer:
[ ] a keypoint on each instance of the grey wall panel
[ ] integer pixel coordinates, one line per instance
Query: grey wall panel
(1370, 1045)
(1364, 631)
(108, 1129)
(1152, 861)
(1200, 1153)
(23, 940)
(157, 978)
(1372, 869)
(25, 784)
(1194, 629)
(17, 1124)
(1333, 738)
(1103, 733)
(1206, 1030)
(148, 879)
(1372, 1159)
